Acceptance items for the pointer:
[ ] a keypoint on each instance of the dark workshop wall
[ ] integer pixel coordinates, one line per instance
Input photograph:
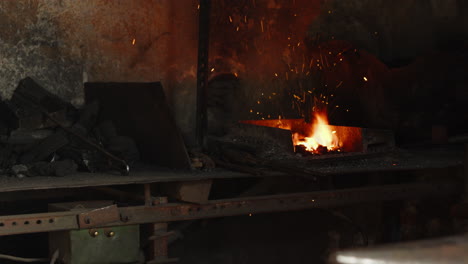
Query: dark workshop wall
(395, 31)
(64, 43)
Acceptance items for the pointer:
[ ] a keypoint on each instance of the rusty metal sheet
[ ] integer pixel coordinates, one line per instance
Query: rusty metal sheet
(140, 111)
(99, 217)
(448, 250)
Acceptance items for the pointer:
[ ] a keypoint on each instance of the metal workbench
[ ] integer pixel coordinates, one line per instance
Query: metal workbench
(409, 161)
(396, 161)
(156, 209)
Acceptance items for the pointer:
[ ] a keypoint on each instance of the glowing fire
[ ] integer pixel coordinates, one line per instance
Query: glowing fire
(321, 136)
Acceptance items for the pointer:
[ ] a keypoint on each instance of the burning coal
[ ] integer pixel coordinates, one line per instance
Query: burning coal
(317, 137)
(320, 138)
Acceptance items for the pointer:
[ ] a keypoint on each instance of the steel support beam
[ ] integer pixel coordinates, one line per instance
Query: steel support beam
(203, 69)
(162, 213)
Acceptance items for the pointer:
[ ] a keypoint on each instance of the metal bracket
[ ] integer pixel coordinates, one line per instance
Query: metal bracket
(99, 217)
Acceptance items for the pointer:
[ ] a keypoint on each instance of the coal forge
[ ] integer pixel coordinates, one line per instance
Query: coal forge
(290, 83)
(321, 138)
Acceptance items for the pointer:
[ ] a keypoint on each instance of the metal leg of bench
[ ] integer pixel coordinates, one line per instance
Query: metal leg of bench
(158, 249)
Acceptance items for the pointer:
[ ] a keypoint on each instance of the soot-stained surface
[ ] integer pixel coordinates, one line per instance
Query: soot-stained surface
(63, 44)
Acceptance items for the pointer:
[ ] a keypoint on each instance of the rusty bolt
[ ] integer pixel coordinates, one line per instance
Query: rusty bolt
(124, 218)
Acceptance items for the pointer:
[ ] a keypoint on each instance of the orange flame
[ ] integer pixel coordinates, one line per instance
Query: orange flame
(321, 135)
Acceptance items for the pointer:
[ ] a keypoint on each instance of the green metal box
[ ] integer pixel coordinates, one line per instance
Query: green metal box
(110, 245)
(114, 245)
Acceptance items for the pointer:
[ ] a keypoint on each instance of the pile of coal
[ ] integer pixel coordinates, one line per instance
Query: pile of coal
(43, 135)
